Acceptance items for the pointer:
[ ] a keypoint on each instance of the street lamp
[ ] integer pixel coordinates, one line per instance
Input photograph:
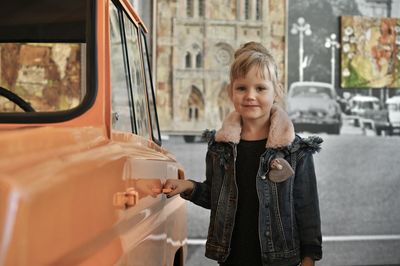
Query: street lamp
(332, 43)
(301, 28)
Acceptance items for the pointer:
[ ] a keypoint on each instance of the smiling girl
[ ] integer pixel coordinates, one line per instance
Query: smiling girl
(260, 179)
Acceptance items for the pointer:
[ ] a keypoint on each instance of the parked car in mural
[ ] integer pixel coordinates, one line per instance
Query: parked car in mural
(312, 106)
(82, 166)
(369, 113)
(393, 105)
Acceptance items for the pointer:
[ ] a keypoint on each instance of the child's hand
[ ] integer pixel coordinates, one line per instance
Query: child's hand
(307, 261)
(276, 165)
(173, 187)
(280, 170)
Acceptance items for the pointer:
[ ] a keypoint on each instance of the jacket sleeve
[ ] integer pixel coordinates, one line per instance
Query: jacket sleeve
(201, 193)
(307, 207)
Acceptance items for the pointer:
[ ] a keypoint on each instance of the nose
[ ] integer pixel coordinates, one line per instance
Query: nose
(250, 94)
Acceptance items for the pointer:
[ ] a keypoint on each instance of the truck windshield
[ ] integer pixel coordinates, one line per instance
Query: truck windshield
(43, 47)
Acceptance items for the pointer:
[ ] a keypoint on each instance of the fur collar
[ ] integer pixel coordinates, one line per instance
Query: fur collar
(281, 132)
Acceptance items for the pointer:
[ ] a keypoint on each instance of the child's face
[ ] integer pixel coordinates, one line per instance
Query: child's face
(252, 95)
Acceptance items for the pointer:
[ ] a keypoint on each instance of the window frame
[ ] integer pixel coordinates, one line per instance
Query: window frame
(128, 62)
(91, 83)
(121, 25)
(150, 87)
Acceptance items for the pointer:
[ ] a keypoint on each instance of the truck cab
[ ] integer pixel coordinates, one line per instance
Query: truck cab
(82, 165)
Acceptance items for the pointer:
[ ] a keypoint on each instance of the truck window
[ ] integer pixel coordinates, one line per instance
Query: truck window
(136, 78)
(121, 104)
(150, 91)
(48, 76)
(43, 58)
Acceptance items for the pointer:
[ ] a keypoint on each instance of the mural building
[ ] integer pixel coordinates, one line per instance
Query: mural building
(195, 44)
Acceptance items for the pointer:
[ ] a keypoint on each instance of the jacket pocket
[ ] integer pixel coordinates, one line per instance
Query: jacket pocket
(220, 212)
(282, 212)
(218, 183)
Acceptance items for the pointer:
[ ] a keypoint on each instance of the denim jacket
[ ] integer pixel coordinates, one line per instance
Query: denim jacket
(289, 219)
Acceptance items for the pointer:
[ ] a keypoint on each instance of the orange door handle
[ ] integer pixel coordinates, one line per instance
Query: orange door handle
(181, 174)
(126, 199)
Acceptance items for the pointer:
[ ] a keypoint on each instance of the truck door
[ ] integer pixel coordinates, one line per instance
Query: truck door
(144, 166)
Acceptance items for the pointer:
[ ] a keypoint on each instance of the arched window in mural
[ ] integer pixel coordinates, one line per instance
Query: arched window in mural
(199, 60)
(189, 8)
(224, 103)
(202, 8)
(188, 60)
(195, 105)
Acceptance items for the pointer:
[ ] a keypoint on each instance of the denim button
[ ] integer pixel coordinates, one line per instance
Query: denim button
(267, 233)
(263, 177)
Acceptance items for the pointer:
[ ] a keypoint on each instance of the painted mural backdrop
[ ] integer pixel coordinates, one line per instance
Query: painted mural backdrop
(370, 52)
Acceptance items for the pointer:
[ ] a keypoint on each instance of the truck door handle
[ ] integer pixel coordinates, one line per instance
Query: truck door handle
(181, 173)
(126, 199)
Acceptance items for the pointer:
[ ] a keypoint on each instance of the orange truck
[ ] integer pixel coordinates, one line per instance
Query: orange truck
(81, 166)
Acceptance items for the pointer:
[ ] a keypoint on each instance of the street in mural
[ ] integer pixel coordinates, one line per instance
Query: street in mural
(351, 46)
(316, 33)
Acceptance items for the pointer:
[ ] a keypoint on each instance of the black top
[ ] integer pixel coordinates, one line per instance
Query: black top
(245, 243)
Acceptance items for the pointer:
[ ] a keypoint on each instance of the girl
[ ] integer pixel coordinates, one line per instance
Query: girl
(260, 180)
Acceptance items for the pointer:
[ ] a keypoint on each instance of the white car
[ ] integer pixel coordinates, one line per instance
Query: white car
(393, 105)
(369, 112)
(312, 107)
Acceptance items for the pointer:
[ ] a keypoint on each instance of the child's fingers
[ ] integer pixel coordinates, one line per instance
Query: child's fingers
(156, 191)
(173, 187)
(169, 184)
(276, 165)
(172, 192)
(166, 190)
(170, 188)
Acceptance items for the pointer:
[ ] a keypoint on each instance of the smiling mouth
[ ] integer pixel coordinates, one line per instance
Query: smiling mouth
(250, 105)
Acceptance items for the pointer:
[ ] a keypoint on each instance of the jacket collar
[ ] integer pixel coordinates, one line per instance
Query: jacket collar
(281, 133)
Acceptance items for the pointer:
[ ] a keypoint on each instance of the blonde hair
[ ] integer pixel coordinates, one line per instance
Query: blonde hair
(255, 54)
